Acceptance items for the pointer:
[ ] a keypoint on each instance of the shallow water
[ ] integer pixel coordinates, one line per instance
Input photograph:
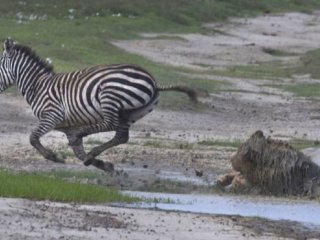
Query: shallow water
(307, 212)
(314, 154)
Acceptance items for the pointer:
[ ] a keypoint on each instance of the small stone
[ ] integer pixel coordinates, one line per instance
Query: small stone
(199, 173)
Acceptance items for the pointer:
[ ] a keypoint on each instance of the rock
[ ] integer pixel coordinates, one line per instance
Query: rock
(199, 173)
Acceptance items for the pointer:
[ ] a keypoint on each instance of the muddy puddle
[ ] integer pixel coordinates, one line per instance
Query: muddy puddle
(302, 211)
(172, 175)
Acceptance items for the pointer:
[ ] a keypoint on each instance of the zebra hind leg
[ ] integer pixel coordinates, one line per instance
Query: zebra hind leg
(76, 144)
(121, 136)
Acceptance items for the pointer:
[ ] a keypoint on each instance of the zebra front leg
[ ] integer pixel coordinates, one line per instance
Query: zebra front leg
(43, 128)
(76, 144)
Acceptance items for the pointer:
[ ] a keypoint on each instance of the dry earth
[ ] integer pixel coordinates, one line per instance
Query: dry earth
(228, 115)
(24, 219)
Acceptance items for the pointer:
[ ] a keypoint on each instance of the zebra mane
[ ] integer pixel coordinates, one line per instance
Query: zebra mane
(41, 62)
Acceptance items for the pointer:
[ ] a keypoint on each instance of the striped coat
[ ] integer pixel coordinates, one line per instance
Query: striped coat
(95, 99)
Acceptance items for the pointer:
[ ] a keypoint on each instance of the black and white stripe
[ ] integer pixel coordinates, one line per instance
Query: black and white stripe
(79, 103)
(100, 93)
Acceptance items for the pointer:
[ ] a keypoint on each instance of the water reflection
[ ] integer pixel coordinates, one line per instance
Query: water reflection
(307, 212)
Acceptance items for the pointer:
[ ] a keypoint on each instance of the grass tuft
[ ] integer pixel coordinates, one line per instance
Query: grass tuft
(233, 144)
(303, 143)
(39, 187)
(304, 90)
(310, 64)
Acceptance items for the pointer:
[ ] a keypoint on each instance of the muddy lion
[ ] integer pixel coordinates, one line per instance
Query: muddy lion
(272, 167)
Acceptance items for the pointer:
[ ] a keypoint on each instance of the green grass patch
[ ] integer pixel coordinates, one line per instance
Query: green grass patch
(233, 144)
(183, 12)
(304, 90)
(310, 64)
(303, 143)
(39, 187)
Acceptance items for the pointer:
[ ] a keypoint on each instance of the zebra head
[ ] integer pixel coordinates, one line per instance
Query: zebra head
(6, 76)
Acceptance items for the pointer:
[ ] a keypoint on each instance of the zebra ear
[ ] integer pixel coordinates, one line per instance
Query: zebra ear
(8, 46)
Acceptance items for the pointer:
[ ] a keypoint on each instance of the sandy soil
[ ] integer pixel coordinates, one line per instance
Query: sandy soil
(229, 115)
(66, 221)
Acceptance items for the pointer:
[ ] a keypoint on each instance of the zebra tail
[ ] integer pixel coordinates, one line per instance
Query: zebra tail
(191, 92)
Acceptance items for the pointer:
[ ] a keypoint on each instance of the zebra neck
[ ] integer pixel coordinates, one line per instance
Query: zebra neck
(29, 84)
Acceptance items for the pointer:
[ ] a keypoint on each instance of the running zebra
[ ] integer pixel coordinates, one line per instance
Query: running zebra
(95, 99)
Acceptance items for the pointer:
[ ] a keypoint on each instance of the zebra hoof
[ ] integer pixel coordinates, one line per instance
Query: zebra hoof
(105, 166)
(55, 158)
(120, 173)
(88, 162)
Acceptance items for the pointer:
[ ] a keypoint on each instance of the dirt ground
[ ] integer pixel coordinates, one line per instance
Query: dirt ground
(228, 116)
(24, 219)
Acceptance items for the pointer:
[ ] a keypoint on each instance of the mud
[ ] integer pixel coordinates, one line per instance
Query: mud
(165, 142)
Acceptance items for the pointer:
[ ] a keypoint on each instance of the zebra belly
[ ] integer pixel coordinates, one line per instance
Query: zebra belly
(82, 116)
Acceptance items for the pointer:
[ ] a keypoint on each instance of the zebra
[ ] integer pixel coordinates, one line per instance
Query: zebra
(96, 99)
